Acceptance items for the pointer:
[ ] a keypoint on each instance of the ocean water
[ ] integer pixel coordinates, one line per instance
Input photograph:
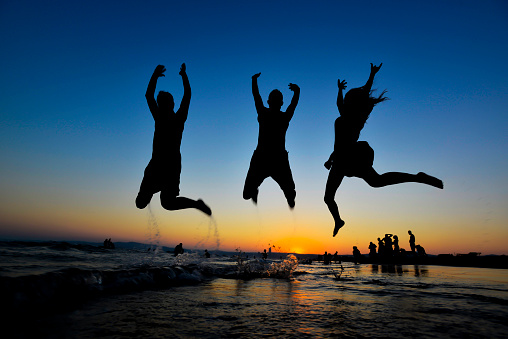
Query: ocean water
(56, 290)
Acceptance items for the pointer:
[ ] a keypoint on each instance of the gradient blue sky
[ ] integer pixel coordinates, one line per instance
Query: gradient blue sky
(76, 132)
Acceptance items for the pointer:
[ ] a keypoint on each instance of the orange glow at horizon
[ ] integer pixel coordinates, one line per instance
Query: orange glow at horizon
(249, 229)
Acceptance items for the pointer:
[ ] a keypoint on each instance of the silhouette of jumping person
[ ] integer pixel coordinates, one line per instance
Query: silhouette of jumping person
(163, 171)
(353, 158)
(270, 159)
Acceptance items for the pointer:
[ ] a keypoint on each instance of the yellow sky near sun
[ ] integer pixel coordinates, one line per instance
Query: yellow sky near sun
(447, 228)
(287, 230)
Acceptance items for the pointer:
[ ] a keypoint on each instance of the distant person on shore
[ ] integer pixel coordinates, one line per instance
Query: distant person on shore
(372, 251)
(163, 171)
(336, 257)
(396, 245)
(353, 158)
(388, 245)
(265, 255)
(207, 254)
(380, 247)
(326, 259)
(357, 255)
(178, 249)
(270, 159)
(421, 251)
(412, 240)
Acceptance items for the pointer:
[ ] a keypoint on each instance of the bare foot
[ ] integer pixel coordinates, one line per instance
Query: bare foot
(291, 203)
(290, 197)
(203, 207)
(430, 180)
(338, 226)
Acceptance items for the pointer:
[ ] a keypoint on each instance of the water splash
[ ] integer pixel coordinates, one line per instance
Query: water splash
(261, 268)
(212, 226)
(213, 223)
(285, 268)
(153, 233)
(186, 259)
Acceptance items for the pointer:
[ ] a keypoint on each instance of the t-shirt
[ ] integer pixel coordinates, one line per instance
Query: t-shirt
(167, 136)
(273, 126)
(347, 133)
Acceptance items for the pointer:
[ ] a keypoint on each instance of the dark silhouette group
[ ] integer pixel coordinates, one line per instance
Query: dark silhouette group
(328, 258)
(388, 248)
(108, 244)
(350, 157)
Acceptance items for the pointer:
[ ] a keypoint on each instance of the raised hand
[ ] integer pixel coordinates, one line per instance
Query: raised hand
(341, 84)
(293, 87)
(374, 69)
(182, 69)
(159, 71)
(255, 76)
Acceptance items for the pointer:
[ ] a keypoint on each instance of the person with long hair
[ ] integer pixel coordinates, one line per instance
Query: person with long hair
(353, 158)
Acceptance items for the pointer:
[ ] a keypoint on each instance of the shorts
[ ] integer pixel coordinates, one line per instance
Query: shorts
(264, 165)
(355, 161)
(162, 176)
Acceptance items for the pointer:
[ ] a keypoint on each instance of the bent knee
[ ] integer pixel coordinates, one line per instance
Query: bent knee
(374, 183)
(143, 200)
(168, 202)
(249, 193)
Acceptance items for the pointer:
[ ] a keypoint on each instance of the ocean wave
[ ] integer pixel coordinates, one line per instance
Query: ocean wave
(70, 287)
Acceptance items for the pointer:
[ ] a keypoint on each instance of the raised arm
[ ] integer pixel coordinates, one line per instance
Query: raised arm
(150, 91)
(294, 101)
(340, 98)
(184, 105)
(373, 70)
(255, 92)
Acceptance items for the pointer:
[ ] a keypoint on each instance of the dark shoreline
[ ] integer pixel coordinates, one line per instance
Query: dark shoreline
(460, 260)
(488, 261)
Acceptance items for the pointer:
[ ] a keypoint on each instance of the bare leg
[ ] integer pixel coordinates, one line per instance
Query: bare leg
(255, 176)
(284, 179)
(332, 184)
(251, 186)
(173, 203)
(392, 178)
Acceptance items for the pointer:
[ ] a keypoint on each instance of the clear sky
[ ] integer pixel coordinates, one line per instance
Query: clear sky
(76, 132)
